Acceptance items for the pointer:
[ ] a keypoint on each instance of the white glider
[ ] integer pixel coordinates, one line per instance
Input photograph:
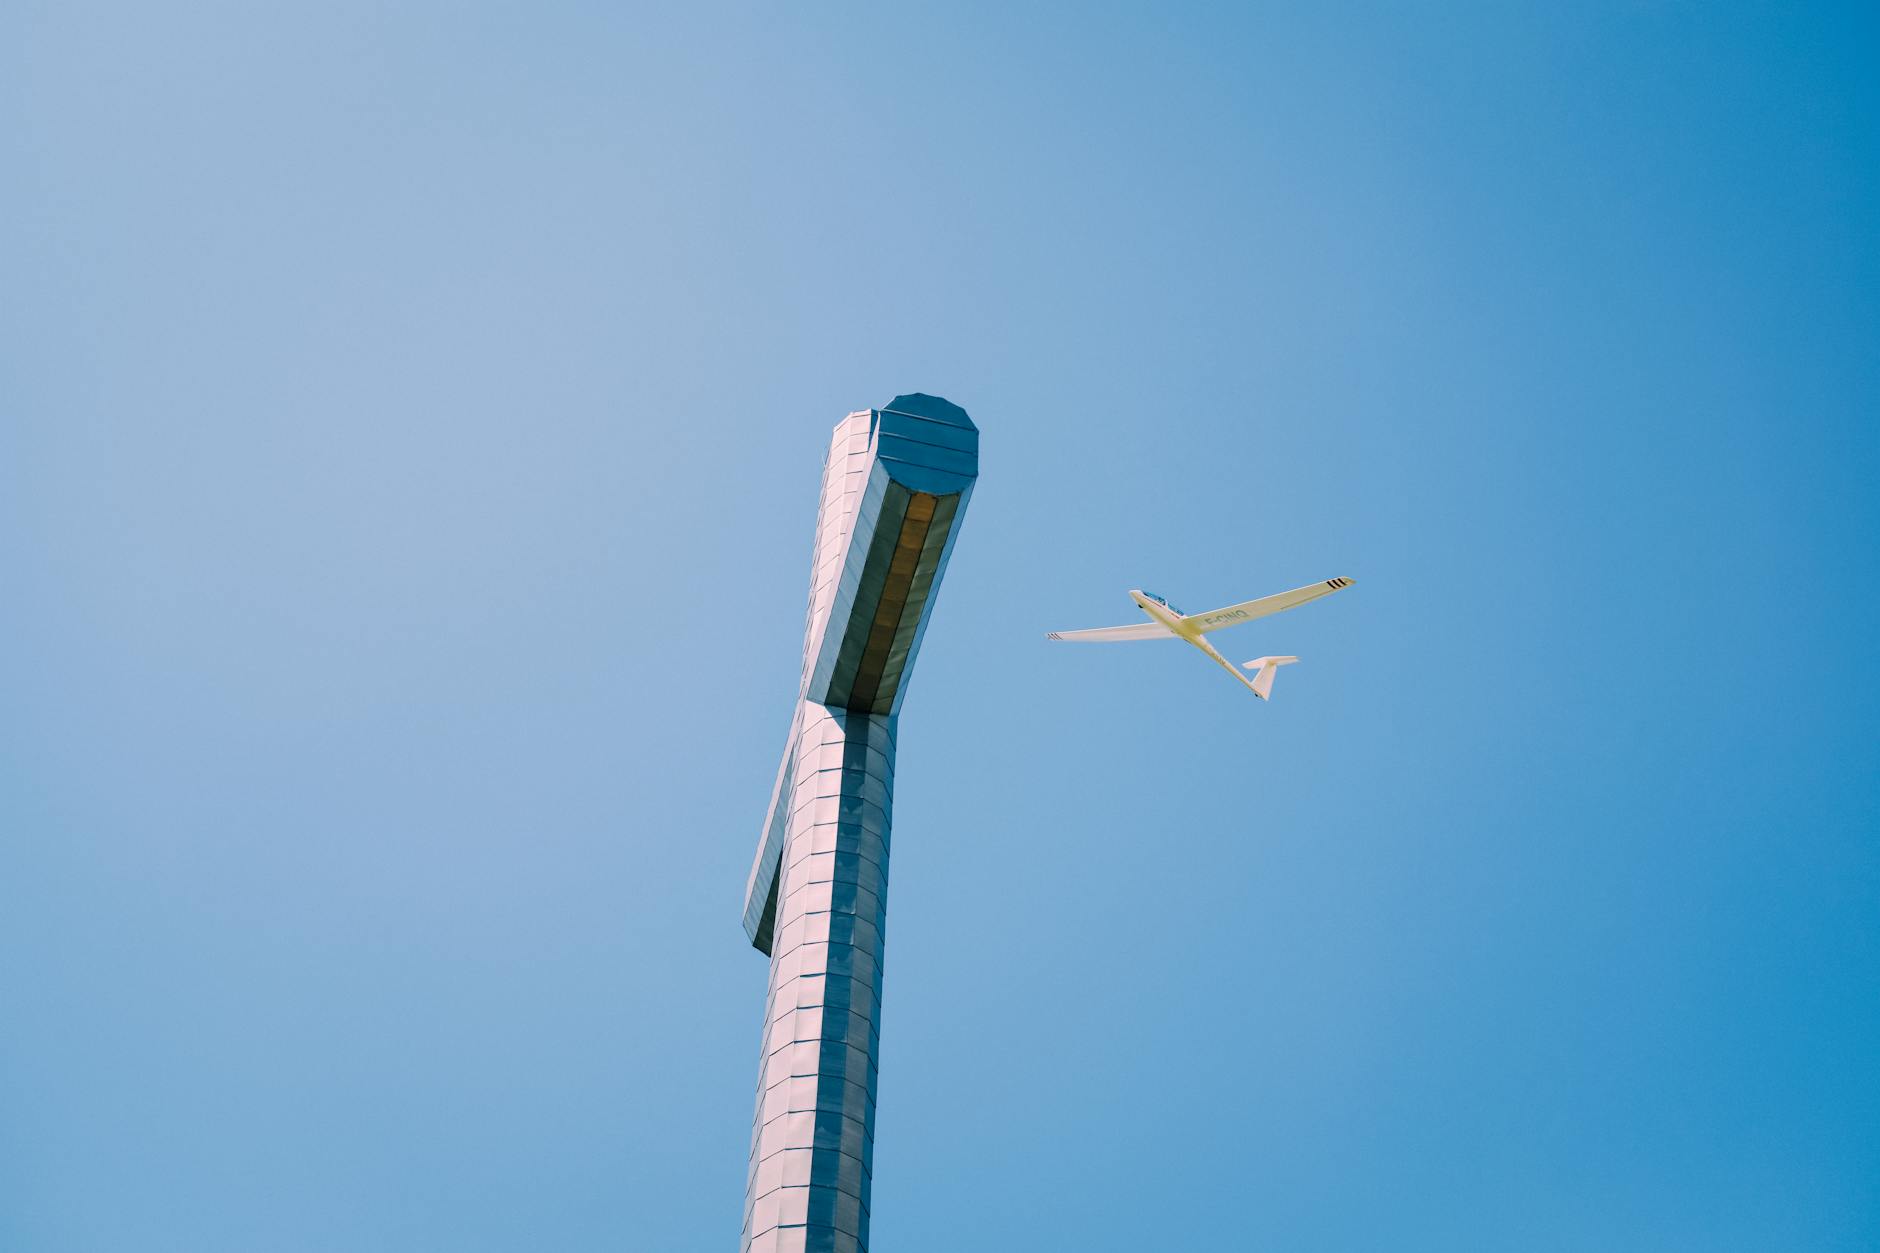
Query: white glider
(1169, 623)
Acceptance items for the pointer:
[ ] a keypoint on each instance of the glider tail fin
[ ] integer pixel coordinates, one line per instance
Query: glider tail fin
(1268, 667)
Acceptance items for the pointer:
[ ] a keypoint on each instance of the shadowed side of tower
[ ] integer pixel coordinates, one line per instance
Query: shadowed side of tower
(895, 486)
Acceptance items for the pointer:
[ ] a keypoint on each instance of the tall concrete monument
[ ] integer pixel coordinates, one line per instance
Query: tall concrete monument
(894, 488)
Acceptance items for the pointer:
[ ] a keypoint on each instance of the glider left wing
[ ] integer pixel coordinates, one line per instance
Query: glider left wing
(1116, 634)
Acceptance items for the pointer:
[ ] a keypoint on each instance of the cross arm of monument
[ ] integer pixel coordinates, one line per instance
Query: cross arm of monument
(895, 485)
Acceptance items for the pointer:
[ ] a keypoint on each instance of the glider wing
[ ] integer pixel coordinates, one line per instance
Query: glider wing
(1247, 611)
(1116, 634)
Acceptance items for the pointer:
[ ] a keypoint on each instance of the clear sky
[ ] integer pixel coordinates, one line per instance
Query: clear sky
(410, 426)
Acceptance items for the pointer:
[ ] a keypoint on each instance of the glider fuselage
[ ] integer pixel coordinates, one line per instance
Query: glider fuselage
(1163, 612)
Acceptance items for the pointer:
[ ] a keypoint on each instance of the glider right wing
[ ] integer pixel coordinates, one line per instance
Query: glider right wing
(1247, 611)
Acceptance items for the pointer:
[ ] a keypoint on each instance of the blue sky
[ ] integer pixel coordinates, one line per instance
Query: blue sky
(410, 424)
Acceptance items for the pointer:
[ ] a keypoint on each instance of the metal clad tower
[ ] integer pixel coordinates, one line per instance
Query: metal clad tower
(895, 486)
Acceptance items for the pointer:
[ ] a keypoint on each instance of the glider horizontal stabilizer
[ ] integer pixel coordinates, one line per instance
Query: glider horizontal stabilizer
(1268, 668)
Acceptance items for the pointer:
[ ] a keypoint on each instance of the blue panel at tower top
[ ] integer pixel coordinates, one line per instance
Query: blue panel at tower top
(927, 444)
(933, 408)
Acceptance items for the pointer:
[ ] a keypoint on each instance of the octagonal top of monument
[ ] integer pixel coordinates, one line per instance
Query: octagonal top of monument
(933, 408)
(926, 444)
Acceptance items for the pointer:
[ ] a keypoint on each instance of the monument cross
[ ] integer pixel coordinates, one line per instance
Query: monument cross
(895, 486)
